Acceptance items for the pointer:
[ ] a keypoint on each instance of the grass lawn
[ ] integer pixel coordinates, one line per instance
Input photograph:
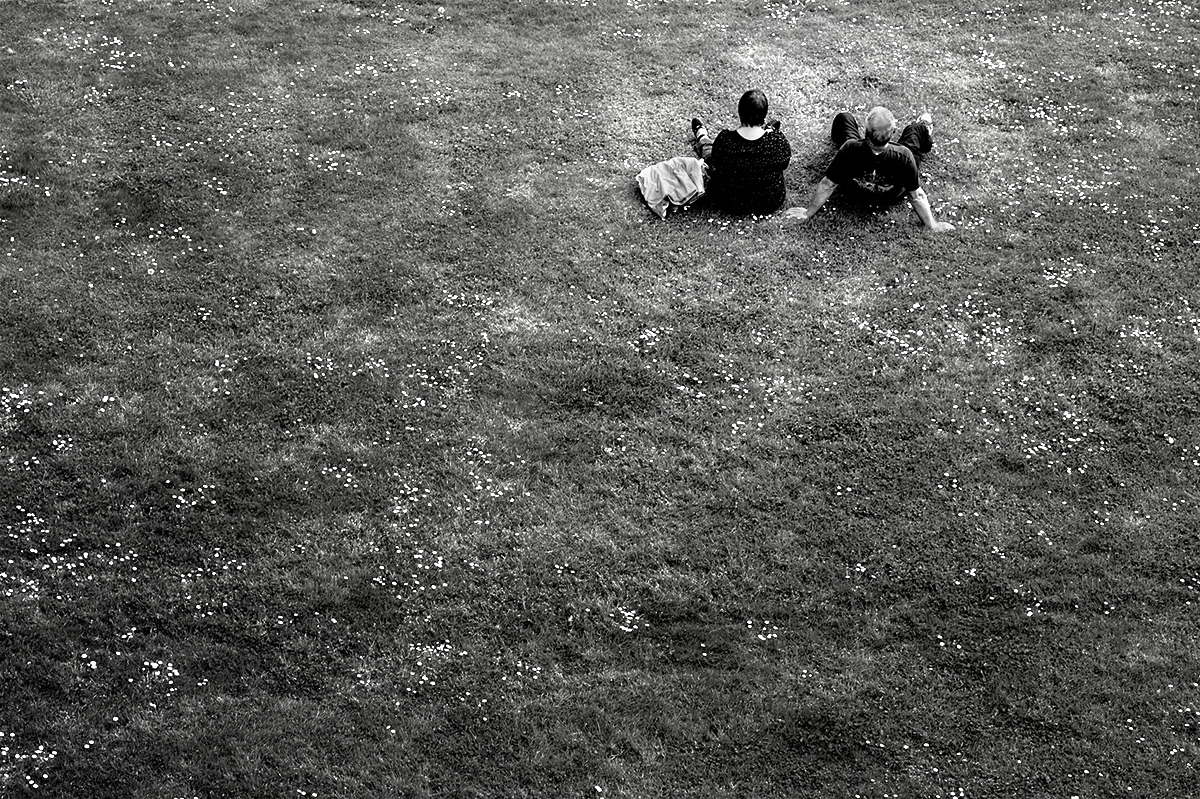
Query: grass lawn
(363, 434)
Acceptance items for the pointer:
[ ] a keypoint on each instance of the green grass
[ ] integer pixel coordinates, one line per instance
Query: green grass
(363, 434)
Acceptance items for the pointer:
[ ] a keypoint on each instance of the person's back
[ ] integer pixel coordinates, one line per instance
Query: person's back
(877, 178)
(746, 175)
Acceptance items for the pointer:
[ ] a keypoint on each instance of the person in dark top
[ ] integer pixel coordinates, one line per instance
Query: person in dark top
(873, 169)
(744, 167)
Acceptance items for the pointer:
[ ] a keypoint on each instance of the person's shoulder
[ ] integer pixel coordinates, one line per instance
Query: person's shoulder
(780, 149)
(725, 140)
(901, 153)
(851, 148)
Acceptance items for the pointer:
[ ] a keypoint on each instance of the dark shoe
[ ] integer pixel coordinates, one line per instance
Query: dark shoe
(697, 126)
(774, 124)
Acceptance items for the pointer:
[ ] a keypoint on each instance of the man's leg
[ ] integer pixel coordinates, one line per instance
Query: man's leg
(918, 136)
(845, 128)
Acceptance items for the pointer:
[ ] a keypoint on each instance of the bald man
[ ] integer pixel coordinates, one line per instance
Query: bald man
(875, 170)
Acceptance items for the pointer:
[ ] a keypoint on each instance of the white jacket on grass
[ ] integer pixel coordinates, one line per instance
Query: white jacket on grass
(676, 181)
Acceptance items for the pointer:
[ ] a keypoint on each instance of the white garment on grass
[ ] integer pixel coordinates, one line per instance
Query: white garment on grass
(676, 181)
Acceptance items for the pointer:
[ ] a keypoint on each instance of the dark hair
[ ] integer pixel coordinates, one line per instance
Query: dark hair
(752, 108)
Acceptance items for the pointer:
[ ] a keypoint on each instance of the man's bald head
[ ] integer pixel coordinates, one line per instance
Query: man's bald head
(880, 125)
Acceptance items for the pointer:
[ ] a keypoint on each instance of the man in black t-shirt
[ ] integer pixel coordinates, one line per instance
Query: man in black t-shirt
(873, 169)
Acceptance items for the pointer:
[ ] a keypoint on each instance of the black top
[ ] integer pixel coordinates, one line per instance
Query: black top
(746, 177)
(880, 178)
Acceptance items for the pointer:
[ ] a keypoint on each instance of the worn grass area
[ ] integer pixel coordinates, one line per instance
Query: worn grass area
(362, 434)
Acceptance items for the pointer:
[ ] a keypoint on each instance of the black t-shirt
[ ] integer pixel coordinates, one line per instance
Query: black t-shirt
(746, 177)
(879, 178)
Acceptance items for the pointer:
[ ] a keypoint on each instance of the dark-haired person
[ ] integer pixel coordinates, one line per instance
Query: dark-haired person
(744, 167)
(875, 170)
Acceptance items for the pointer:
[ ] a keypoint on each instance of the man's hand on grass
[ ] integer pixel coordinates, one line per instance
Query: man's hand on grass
(941, 227)
(800, 214)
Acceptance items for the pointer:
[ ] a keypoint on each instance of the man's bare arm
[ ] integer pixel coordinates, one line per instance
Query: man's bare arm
(822, 193)
(920, 204)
